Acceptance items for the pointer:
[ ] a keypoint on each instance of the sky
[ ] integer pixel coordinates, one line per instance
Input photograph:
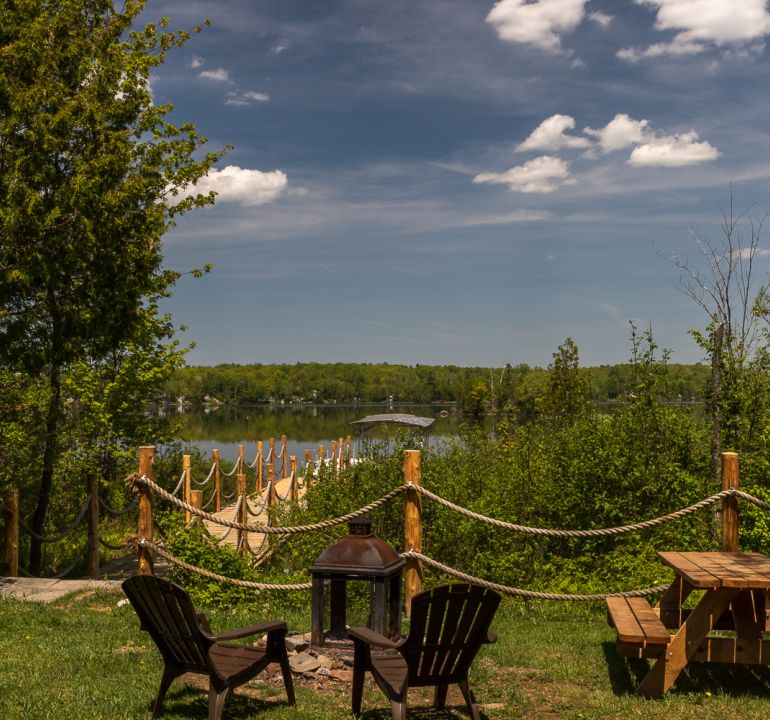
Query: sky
(461, 181)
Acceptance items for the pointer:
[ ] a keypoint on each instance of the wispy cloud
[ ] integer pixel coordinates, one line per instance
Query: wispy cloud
(218, 75)
(245, 99)
(542, 175)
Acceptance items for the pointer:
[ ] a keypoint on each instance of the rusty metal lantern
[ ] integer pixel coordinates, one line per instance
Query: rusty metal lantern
(358, 556)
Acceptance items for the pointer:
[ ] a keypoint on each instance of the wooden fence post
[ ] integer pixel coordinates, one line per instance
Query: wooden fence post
(412, 528)
(321, 458)
(333, 457)
(730, 479)
(93, 525)
(259, 467)
(217, 481)
(294, 479)
(341, 463)
(240, 461)
(271, 485)
(240, 492)
(271, 452)
(11, 554)
(348, 452)
(187, 488)
(284, 473)
(144, 560)
(309, 469)
(196, 500)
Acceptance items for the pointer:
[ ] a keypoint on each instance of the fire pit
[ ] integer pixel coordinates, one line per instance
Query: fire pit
(358, 556)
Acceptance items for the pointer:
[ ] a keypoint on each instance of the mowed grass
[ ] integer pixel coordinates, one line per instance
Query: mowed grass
(84, 658)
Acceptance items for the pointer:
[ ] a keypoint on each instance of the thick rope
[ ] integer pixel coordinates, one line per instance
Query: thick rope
(135, 479)
(102, 541)
(143, 542)
(263, 504)
(81, 514)
(518, 592)
(232, 472)
(115, 513)
(178, 487)
(210, 500)
(211, 473)
(678, 515)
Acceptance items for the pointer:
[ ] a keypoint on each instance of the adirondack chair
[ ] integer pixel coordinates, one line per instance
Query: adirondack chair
(187, 645)
(448, 626)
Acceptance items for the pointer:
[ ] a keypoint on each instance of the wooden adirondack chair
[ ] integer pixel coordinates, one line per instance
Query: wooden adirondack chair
(448, 626)
(187, 645)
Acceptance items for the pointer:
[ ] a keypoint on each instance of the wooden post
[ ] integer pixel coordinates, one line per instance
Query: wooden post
(240, 491)
(341, 463)
(217, 482)
(196, 500)
(730, 479)
(348, 451)
(271, 452)
(93, 525)
(240, 460)
(412, 528)
(11, 554)
(308, 467)
(321, 458)
(333, 456)
(294, 480)
(259, 467)
(284, 470)
(271, 485)
(145, 562)
(187, 488)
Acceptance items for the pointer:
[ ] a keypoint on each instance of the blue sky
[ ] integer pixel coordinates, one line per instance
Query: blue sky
(458, 181)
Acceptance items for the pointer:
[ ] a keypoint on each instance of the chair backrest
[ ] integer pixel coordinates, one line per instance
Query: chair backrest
(167, 614)
(447, 627)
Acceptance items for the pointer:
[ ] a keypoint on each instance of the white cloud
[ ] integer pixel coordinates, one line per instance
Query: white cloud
(747, 253)
(196, 61)
(538, 23)
(550, 135)
(240, 185)
(218, 75)
(279, 46)
(701, 22)
(542, 175)
(620, 132)
(673, 151)
(601, 19)
(245, 99)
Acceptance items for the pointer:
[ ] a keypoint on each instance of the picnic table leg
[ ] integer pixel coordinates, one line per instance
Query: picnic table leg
(685, 643)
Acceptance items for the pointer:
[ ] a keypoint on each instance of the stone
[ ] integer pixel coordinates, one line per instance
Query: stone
(324, 661)
(341, 675)
(296, 643)
(303, 663)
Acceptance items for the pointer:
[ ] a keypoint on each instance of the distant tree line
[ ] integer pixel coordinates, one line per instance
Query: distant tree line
(476, 390)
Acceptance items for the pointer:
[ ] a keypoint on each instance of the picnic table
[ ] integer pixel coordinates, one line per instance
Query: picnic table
(736, 586)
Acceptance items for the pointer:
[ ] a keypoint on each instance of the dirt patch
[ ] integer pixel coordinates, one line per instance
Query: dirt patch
(130, 648)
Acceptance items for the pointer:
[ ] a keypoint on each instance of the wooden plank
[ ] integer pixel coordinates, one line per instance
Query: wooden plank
(635, 650)
(755, 567)
(669, 608)
(734, 651)
(655, 632)
(686, 565)
(721, 566)
(622, 618)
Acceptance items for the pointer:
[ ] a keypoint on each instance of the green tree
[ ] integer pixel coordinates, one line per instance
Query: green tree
(91, 172)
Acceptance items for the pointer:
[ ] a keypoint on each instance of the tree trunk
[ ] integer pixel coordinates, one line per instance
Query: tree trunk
(46, 479)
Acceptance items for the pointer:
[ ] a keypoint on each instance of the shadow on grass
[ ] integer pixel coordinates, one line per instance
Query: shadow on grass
(188, 701)
(625, 675)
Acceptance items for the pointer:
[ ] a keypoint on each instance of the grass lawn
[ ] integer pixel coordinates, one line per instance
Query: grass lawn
(84, 658)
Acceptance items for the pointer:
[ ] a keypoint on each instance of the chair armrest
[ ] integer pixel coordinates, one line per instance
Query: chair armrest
(268, 626)
(363, 634)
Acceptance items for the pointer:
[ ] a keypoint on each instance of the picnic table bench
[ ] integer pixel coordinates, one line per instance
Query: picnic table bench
(641, 634)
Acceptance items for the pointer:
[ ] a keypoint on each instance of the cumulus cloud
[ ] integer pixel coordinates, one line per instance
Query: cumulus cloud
(218, 75)
(196, 61)
(540, 23)
(550, 135)
(542, 175)
(240, 185)
(601, 19)
(700, 23)
(673, 151)
(245, 99)
(622, 131)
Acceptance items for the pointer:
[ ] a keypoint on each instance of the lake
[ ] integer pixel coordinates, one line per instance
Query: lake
(306, 427)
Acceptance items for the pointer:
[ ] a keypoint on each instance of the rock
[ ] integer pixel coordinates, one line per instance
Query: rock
(324, 661)
(341, 675)
(296, 643)
(303, 663)
(347, 660)
(323, 672)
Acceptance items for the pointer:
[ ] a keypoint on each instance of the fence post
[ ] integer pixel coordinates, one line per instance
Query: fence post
(11, 555)
(240, 460)
(412, 528)
(271, 452)
(284, 473)
(348, 453)
(259, 467)
(333, 457)
(730, 479)
(341, 463)
(196, 500)
(294, 480)
(187, 488)
(240, 492)
(93, 525)
(271, 485)
(144, 559)
(217, 485)
(308, 467)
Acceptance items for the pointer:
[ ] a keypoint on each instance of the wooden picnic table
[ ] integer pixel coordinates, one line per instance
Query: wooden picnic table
(736, 586)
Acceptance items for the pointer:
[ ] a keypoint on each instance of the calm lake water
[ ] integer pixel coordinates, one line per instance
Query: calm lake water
(305, 427)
